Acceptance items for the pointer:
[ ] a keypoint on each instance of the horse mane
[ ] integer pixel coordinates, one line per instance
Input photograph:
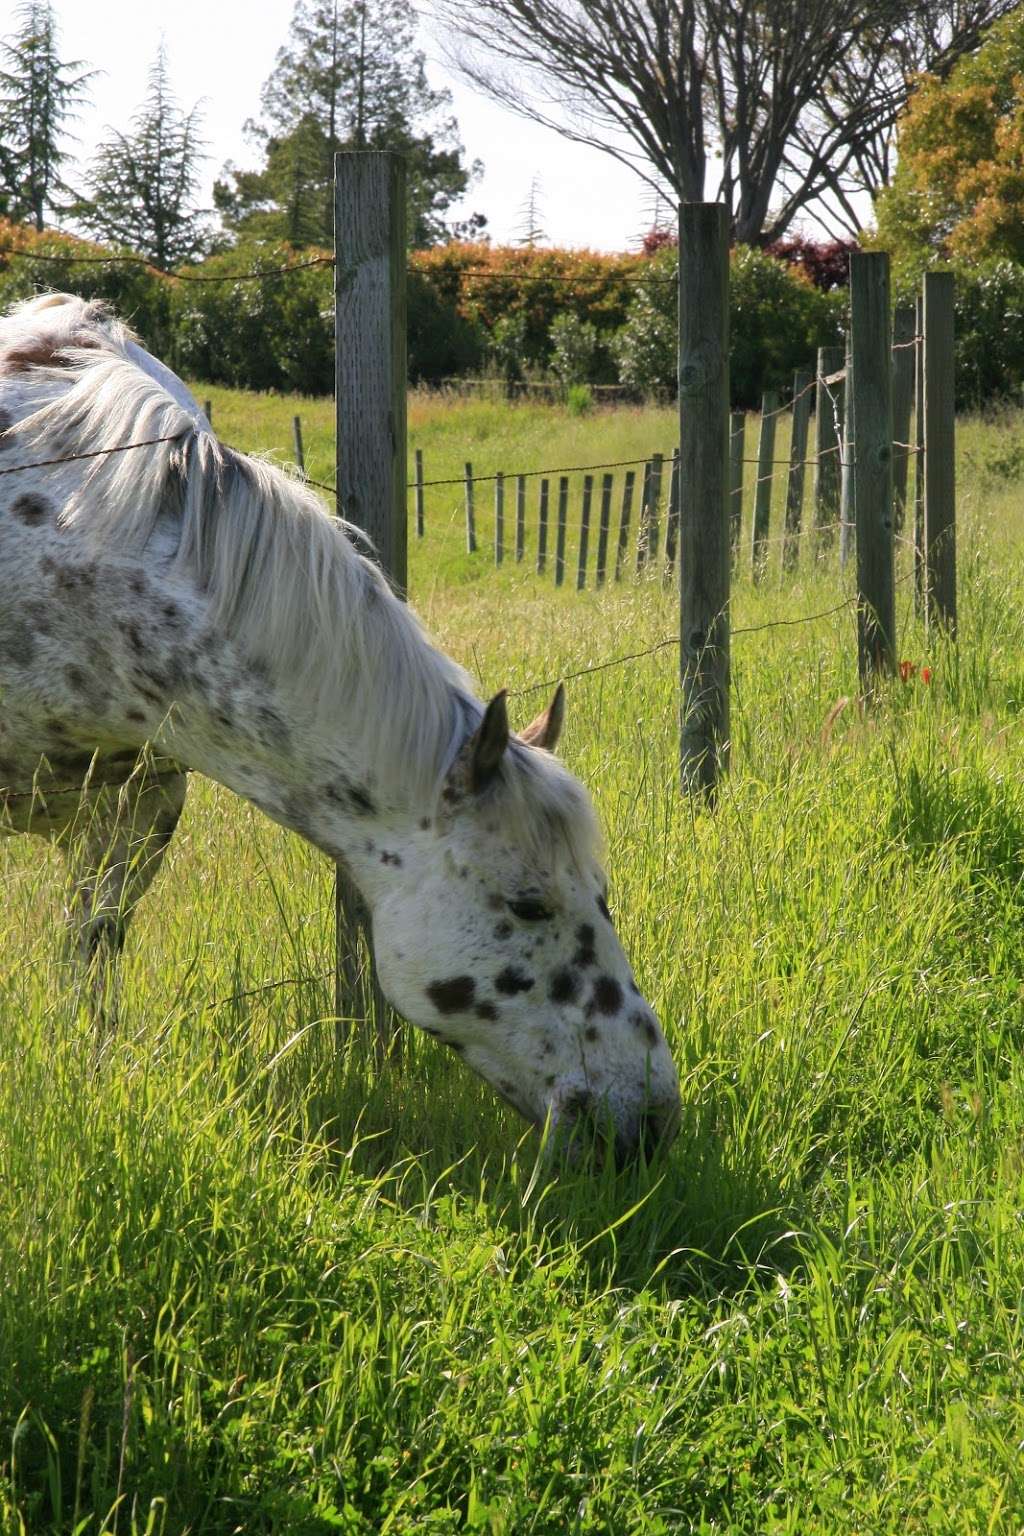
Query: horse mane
(279, 572)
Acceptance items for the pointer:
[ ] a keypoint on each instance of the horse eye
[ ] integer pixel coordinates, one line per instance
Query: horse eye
(530, 910)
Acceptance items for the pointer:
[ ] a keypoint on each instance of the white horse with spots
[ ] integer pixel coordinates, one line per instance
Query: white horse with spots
(187, 600)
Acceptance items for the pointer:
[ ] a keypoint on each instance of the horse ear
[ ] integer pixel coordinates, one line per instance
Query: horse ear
(546, 729)
(488, 742)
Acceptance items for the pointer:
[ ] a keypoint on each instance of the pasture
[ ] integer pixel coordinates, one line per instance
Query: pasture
(245, 1287)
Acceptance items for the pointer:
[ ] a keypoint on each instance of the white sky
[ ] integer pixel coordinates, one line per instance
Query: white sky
(221, 51)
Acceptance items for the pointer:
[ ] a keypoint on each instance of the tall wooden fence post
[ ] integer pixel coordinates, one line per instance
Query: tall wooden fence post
(939, 442)
(419, 493)
(763, 488)
(499, 518)
(581, 567)
(542, 528)
(903, 351)
(607, 481)
(300, 452)
(847, 484)
(470, 512)
(560, 527)
(520, 516)
(919, 577)
(624, 517)
(737, 432)
(871, 348)
(828, 431)
(704, 544)
(803, 383)
(370, 394)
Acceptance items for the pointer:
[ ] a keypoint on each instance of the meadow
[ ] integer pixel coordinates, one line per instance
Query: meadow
(248, 1285)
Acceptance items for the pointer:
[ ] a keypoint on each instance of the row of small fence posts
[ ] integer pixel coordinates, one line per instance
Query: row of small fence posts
(370, 393)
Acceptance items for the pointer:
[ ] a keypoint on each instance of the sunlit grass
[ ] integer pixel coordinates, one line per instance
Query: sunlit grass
(249, 1287)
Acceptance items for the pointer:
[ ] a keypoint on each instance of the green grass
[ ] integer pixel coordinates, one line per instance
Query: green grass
(248, 1287)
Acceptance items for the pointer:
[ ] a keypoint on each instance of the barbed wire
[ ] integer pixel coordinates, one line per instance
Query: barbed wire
(93, 453)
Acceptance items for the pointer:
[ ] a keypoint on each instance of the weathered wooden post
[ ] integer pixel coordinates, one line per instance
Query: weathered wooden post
(645, 512)
(829, 411)
(672, 520)
(520, 517)
(624, 517)
(499, 517)
(737, 432)
(919, 459)
(208, 411)
(542, 528)
(300, 453)
(939, 443)
(370, 394)
(847, 484)
(704, 545)
(871, 350)
(803, 383)
(763, 488)
(470, 511)
(607, 482)
(581, 568)
(902, 400)
(654, 508)
(560, 527)
(419, 493)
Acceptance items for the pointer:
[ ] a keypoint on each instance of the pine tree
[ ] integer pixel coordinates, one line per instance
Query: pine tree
(350, 77)
(38, 94)
(531, 231)
(142, 183)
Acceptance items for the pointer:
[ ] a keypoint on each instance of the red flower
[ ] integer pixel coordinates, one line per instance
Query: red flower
(907, 670)
(926, 674)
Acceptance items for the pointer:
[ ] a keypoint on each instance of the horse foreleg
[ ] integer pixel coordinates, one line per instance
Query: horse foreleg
(117, 846)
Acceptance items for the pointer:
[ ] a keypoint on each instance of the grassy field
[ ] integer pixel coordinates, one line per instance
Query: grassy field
(246, 1288)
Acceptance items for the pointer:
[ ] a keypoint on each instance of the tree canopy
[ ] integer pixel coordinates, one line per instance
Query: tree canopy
(350, 77)
(958, 190)
(38, 95)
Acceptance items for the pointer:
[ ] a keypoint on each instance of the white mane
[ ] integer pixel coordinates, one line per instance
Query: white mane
(278, 570)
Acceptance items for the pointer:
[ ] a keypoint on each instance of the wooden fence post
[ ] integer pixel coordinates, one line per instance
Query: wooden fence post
(607, 481)
(499, 517)
(300, 455)
(871, 335)
(624, 516)
(803, 383)
(581, 570)
(208, 411)
(563, 519)
(419, 493)
(763, 489)
(902, 399)
(370, 395)
(939, 444)
(847, 484)
(704, 547)
(520, 517)
(470, 511)
(737, 432)
(672, 520)
(654, 507)
(828, 431)
(645, 512)
(542, 528)
(919, 578)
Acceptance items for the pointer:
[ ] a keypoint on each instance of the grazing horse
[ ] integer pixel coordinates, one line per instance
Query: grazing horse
(178, 606)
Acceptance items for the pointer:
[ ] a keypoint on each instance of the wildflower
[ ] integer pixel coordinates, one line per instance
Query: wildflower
(907, 670)
(926, 674)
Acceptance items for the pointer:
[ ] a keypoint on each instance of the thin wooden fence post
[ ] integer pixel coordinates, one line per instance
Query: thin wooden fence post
(470, 511)
(654, 507)
(704, 544)
(499, 518)
(581, 569)
(208, 411)
(563, 519)
(919, 578)
(847, 483)
(803, 383)
(624, 518)
(607, 482)
(372, 476)
(763, 488)
(829, 410)
(871, 347)
(672, 521)
(419, 493)
(939, 445)
(902, 399)
(542, 528)
(737, 433)
(520, 517)
(300, 455)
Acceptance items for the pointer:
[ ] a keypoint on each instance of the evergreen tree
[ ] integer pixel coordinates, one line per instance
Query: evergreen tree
(531, 231)
(142, 183)
(350, 77)
(38, 93)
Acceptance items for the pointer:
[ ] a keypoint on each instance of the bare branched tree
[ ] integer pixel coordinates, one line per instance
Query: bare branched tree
(772, 105)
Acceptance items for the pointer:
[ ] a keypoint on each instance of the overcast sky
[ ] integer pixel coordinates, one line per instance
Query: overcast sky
(221, 51)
